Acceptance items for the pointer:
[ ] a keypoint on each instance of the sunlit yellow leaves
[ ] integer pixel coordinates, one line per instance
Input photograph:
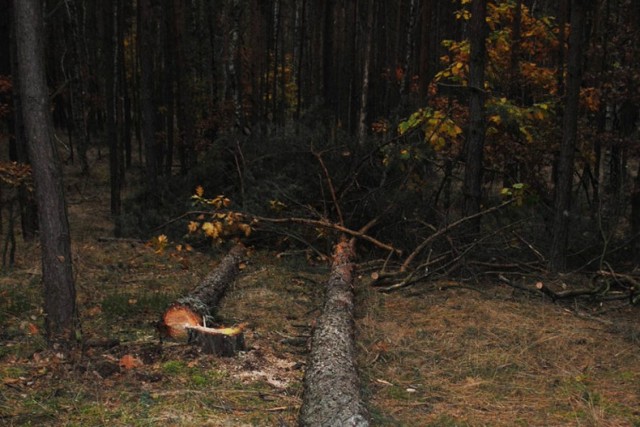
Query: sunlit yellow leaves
(245, 228)
(193, 226)
(463, 14)
(220, 223)
(212, 229)
(219, 202)
(159, 243)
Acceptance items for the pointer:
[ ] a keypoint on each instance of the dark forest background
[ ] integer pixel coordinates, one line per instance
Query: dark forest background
(508, 143)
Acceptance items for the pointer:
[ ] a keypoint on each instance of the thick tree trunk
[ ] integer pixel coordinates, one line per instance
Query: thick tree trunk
(18, 146)
(331, 387)
(195, 309)
(57, 273)
(562, 201)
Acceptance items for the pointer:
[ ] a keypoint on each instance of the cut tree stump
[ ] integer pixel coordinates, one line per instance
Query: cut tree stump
(331, 387)
(188, 317)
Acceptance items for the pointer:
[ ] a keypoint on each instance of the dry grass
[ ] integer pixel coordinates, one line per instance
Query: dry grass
(458, 357)
(443, 358)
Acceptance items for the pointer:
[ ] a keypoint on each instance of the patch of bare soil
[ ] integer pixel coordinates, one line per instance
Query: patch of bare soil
(440, 357)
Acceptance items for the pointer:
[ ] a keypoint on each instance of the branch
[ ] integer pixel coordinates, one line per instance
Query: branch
(330, 184)
(442, 231)
(329, 225)
(304, 221)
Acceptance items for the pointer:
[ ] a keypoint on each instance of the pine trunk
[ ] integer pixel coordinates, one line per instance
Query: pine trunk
(331, 387)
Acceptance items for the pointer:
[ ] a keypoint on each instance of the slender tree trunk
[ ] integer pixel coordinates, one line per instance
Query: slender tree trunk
(233, 64)
(474, 148)
(512, 165)
(146, 20)
(301, 51)
(61, 318)
(366, 65)
(77, 85)
(111, 12)
(562, 198)
(328, 59)
(126, 127)
(408, 53)
(186, 119)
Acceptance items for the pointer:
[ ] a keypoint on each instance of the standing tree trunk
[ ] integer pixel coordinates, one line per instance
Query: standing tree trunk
(57, 274)
(562, 198)
(474, 148)
(366, 65)
(77, 80)
(111, 84)
(184, 91)
(331, 387)
(18, 148)
(146, 21)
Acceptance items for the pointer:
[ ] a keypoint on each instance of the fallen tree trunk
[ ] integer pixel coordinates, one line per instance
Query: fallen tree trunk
(189, 315)
(331, 387)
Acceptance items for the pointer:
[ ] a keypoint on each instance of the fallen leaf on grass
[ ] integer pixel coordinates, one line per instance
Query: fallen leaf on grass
(130, 362)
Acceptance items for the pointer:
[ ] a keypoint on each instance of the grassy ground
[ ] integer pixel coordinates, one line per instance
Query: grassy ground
(437, 355)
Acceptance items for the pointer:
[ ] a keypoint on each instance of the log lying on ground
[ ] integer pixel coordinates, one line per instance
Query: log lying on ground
(331, 387)
(189, 315)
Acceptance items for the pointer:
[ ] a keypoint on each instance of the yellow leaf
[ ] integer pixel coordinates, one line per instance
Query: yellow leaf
(495, 119)
(199, 191)
(193, 226)
(210, 230)
(246, 229)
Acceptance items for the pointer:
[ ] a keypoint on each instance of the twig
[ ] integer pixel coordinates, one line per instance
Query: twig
(445, 229)
(329, 225)
(330, 185)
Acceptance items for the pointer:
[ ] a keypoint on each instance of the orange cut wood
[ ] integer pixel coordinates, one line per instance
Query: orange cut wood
(176, 318)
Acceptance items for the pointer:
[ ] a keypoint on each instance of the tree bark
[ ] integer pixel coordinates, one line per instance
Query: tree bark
(562, 200)
(331, 387)
(77, 80)
(195, 309)
(111, 90)
(18, 145)
(146, 20)
(474, 148)
(57, 274)
(366, 65)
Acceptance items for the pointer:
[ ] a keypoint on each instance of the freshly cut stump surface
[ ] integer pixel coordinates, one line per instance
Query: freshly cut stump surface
(193, 311)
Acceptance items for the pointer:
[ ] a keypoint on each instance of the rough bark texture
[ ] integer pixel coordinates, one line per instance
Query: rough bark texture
(195, 309)
(57, 274)
(331, 387)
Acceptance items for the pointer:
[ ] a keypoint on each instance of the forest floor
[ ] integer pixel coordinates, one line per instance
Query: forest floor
(436, 354)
